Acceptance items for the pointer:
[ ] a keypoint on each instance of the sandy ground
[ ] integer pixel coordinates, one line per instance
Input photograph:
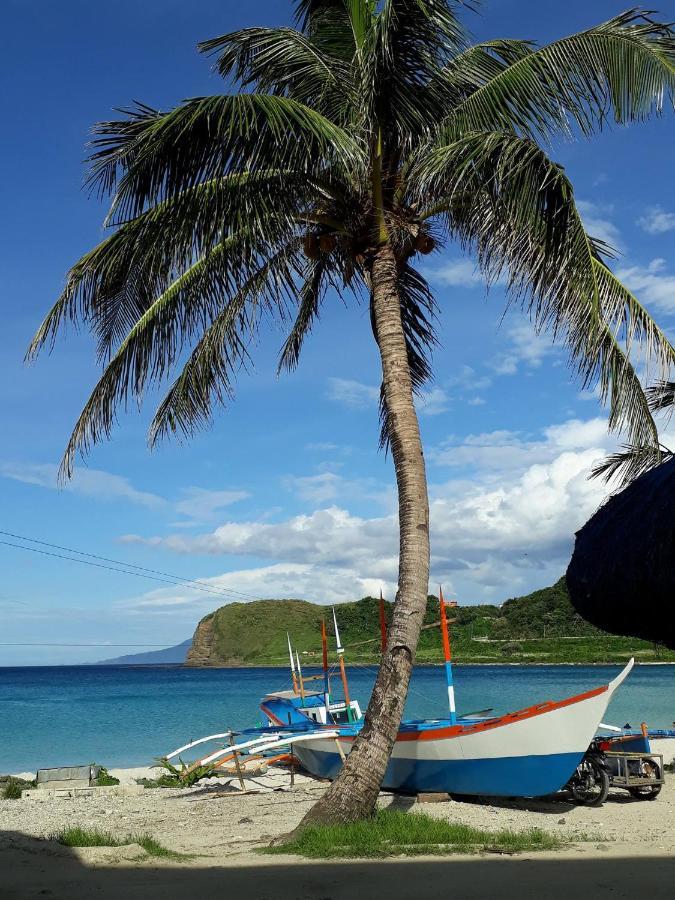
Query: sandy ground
(622, 849)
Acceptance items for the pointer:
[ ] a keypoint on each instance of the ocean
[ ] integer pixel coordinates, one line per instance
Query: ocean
(129, 715)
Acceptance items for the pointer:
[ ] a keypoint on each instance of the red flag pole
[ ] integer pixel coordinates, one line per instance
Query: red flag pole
(447, 654)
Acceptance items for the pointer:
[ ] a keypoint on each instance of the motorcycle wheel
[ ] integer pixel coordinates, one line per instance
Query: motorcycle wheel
(590, 785)
(645, 793)
(649, 791)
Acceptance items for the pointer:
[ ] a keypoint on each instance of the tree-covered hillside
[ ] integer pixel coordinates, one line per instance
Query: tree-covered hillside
(541, 627)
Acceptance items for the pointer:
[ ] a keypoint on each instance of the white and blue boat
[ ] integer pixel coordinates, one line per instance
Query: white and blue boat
(527, 753)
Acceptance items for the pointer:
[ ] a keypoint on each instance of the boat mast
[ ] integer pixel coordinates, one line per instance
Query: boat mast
(383, 625)
(290, 656)
(300, 679)
(447, 653)
(343, 674)
(326, 681)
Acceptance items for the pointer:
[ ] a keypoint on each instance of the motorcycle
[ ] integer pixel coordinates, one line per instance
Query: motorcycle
(589, 783)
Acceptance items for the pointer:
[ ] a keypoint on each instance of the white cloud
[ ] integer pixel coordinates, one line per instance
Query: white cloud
(432, 402)
(322, 446)
(467, 379)
(315, 488)
(504, 451)
(201, 505)
(651, 283)
(456, 273)
(352, 393)
(657, 221)
(299, 581)
(510, 525)
(598, 225)
(525, 347)
(88, 482)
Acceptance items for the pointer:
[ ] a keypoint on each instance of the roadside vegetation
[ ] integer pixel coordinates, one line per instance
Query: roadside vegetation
(396, 833)
(105, 779)
(175, 777)
(75, 836)
(11, 787)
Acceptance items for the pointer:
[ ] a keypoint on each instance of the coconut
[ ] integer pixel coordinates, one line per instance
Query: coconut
(622, 574)
(311, 246)
(424, 243)
(327, 243)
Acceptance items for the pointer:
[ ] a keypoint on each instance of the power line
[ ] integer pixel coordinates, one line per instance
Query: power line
(153, 574)
(38, 644)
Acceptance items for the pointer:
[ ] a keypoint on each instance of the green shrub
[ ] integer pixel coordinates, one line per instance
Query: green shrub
(105, 779)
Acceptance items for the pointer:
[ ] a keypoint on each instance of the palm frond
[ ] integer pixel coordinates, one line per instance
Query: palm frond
(112, 285)
(409, 42)
(624, 68)
(309, 303)
(150, 348)
(629, 463)
(328, 24)
(522, 221)
(285, 61)
(165, 154)
(207, 377)
(662, 396)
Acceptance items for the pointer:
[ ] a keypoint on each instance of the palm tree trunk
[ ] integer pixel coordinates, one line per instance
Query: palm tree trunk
(353, 794)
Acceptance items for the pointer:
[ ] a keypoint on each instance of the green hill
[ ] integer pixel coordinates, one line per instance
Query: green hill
(539, 628)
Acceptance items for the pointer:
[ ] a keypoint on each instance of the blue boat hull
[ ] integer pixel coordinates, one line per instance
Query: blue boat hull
(516, 776)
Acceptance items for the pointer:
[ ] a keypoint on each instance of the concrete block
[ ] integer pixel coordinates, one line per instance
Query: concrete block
(66, 777)
(69, 793)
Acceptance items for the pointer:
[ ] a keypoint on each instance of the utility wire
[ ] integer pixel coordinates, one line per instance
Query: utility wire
(153, 574)
(38, 644)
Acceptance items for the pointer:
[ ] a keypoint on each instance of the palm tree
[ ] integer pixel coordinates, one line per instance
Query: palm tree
(369, 135)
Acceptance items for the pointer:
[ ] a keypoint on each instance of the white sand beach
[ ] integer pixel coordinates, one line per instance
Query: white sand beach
(222, 828)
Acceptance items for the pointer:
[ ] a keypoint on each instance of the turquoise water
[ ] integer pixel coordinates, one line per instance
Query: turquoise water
(126, 715)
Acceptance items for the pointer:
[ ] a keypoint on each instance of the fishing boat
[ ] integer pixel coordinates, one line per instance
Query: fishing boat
(527, 753)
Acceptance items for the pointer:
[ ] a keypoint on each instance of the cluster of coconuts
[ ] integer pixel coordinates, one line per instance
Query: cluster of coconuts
(322, 243)
(326, 243)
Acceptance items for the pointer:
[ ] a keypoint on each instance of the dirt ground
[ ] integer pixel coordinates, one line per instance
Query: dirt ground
(622, 849)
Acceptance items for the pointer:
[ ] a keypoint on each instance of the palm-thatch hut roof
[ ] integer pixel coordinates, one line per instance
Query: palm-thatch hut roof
(622, 574)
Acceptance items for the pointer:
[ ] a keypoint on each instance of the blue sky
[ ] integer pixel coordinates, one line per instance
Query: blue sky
(286, 495)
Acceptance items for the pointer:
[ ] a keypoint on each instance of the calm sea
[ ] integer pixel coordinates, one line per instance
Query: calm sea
(127, 715)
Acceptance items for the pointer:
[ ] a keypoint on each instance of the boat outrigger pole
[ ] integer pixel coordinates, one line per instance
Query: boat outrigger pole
(343, 674)
(447, 653)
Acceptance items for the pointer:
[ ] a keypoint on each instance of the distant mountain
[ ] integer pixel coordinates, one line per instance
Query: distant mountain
(173, 655)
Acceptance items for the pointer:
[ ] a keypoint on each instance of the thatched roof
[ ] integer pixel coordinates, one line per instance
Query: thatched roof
(622, 574)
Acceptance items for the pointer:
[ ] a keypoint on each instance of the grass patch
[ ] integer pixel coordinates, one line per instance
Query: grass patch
(394, 833)
(11, 788)
(94, 837)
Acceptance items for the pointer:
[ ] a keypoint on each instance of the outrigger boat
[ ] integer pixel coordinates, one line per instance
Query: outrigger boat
(527, 753)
